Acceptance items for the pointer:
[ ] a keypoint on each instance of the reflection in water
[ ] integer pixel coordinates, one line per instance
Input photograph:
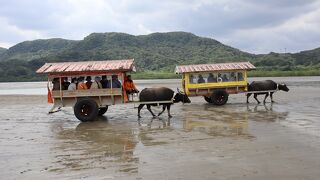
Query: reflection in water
(154, 127)
(96, 144)
(228, 120)
(265, 113)
(110, 144)
(216, 121)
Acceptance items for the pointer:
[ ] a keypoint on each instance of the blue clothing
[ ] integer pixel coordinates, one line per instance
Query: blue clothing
(105, 83)
(116, 83)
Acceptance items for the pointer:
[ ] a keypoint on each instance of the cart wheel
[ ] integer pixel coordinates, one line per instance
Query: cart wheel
(219, 97)
(102, 110)
(208, 99)
(86, 110)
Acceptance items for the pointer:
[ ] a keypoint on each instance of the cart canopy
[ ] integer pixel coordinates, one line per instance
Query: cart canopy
(85, 67)
(214, 67)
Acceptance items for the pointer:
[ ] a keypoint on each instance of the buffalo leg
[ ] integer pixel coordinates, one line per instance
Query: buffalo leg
(265, 97)
(149, 108)
(168, 109)
(163, 109)
(255, 97)
(139, 109)
(248, 95)
(271, 97)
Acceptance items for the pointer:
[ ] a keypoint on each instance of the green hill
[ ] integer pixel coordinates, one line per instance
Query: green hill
(29, 50)
(153, 52)
(158, 51)
(2, 50)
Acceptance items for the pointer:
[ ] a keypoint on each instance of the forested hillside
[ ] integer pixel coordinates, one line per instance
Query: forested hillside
(154, 52)
(2, 50)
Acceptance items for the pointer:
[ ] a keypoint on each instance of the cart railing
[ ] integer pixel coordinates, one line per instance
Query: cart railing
(87, 93)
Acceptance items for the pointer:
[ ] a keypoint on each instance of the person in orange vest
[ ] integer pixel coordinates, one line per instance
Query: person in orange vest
(81, 84)
(89, 82)
(129, 85)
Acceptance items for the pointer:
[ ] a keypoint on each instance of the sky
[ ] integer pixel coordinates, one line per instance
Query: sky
(253, 26)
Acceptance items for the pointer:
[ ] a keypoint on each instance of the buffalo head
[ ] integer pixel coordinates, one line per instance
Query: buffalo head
(283, 87)
(181, 97)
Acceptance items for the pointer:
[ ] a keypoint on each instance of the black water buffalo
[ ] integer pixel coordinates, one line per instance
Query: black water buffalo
(265, 86)
(160, 94)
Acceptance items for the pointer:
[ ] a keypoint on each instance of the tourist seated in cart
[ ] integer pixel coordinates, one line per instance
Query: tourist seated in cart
(232, 77)
(240, 76)
(211, 78)
(88, 82)
(225, 78)
(115, 82)
(200, 79)
(73, 85)
(81, 84)
(56, 84)
(219, 77)
(104, 82)
(96, 84)
(129, 86)
(65, 83)
(191, 79)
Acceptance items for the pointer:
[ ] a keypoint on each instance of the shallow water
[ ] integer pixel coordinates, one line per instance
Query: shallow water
(201, 141)
(40, 88)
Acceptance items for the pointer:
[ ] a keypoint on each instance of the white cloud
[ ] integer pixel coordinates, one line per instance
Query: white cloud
(249, 25)
(296, 34)
(10, 33)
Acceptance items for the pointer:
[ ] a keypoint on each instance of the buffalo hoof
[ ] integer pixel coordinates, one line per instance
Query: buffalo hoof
(139, 116)
(169, 116)
(153, 117)
(259, 102)
(272, 101)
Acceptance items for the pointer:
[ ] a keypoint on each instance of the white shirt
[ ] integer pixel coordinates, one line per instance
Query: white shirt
(72, 87)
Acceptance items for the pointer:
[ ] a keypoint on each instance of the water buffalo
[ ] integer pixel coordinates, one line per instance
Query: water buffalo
(160, 94)
(265, 86)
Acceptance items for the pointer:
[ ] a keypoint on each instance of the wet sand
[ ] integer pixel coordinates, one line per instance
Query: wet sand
(201, 141)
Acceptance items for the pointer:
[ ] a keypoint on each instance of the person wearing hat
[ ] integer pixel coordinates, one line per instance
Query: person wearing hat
(96, 84)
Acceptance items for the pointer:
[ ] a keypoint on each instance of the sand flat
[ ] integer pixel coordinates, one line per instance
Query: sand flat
(201, 141)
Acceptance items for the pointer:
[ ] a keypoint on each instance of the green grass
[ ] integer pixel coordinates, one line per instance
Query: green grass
(256, 73)
(279, 73)
(155, 75)
(172, 75)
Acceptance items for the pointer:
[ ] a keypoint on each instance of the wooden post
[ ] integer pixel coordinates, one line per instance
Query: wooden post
(60, 93)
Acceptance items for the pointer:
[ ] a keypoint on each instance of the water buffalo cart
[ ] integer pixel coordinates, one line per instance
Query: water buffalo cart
(215, 81)
(88, 103)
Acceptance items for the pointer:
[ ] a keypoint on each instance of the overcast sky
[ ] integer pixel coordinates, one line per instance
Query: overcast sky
(254, 26)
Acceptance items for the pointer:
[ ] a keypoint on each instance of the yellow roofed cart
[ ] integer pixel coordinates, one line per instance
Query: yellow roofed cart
(215, 81)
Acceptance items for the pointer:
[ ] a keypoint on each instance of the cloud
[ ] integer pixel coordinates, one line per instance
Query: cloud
(294, 34)
(10, 33)
(250, 25)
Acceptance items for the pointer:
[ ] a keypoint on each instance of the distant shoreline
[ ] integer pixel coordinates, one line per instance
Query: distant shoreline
(171, 75)
(257, 73)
